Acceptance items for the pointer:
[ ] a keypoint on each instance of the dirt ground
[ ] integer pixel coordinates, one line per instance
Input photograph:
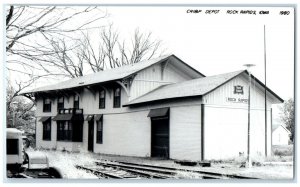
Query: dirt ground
(65, 162)
(270, 170)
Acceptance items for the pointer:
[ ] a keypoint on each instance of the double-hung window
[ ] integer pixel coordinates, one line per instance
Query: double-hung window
(47, 105)
(100, 131)
(69, 131)
(102, 98)
(64, 130)
(117, 97)
(47, 129)
(60, 103)
(76, 101)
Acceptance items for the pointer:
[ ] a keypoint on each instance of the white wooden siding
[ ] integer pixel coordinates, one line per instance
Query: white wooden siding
(219, 95)
(152, 77)
(87, 102)
(280, 136)
(185, 133)
(229, 118)
(173, 74)
(90, 103)
(145, 81)
(125, 134)
(58, 145)
(39, 136)
(225, 132)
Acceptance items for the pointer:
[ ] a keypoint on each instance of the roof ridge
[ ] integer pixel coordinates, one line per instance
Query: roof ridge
(179, 84)
(207, 77)
(151, 91)
(125, 68)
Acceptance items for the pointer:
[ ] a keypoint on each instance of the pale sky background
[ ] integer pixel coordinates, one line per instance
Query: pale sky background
(219, 43)
(215, 43)
(221, 46)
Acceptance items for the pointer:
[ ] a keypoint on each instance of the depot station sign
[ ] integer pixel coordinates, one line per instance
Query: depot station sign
(239, 91)
(236, 100)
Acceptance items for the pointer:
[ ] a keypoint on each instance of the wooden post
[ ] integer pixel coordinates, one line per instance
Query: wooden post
(202, 131)
(266, 121)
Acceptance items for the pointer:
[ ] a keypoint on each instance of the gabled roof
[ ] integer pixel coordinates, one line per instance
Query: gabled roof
(194, 87)
(107, 75)
(273, 129)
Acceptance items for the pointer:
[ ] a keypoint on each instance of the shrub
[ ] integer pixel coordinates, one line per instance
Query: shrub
(283, 150)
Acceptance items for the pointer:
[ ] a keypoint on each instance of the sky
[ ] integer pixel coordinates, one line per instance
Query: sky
(213, 40)
(219, 42)
(212, 44)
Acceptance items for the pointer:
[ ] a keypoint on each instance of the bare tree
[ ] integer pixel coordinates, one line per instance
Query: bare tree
(116, 53)
(49, 42)
(72, 58)
(28, 26)
(88, 54)
(23, 21)
(142, 47)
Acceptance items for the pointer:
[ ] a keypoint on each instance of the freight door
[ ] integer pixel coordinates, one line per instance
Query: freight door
(160, 137)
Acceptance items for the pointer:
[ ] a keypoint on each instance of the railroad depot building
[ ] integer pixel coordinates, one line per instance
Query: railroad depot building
(156, 108)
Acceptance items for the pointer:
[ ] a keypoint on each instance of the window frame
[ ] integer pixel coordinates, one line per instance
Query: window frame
(63, 103)
(62, 133)
(99, 133)
(46, 131)
(102, 99)
(76, 102)
(73, 133)
(117, 99)
(47, 107)
(12, 146)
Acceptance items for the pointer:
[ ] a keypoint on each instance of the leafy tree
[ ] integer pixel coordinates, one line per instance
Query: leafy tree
(288, 117)
(20, 111)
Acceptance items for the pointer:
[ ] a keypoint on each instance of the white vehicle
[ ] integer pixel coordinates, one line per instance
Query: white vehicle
(21, 164)
(14, 149)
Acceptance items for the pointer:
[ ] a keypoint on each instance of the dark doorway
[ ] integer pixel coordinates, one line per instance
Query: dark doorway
(160, 137)
(91, 136)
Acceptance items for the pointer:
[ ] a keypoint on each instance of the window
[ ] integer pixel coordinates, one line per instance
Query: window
(47, 105)
(60, 103)
(76, 101)
(117, 98)
(69, 131)
(12, 146)
(64, 130)
(102, 98)
(47, 129)
(100, 131)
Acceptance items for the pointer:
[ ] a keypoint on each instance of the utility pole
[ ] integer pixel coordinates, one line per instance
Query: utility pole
(266, 124)
(249, 162)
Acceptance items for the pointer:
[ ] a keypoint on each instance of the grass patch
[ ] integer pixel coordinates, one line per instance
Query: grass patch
(256, 160)
(282, 150)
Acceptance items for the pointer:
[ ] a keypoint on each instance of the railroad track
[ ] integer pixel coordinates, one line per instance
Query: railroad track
(108, 174)
(126, 170)
(208, 173)
(144, 172)
(156, 171)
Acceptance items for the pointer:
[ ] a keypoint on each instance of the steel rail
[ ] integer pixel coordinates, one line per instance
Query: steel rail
(206, 174)
(149, 173)
(97, 172)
